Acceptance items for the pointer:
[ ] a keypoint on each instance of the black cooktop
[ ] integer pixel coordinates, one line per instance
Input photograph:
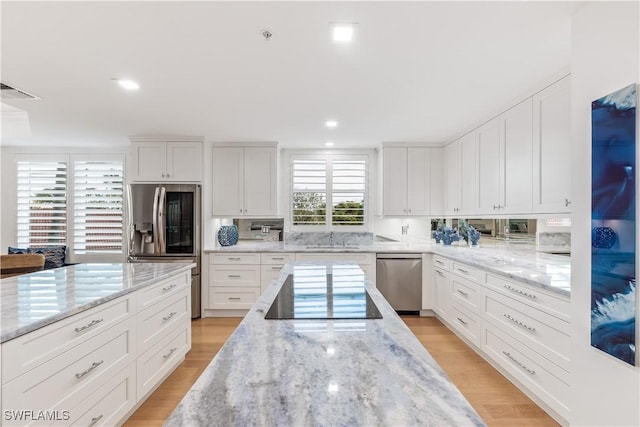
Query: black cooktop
(322, 297)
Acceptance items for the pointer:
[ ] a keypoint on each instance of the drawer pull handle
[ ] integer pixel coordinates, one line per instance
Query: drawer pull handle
(276, 268)
(464, 294)
(173, 313)
(234, 259)
(514, 360)
(168, 288)
(519, 323)
(234, 276)
(234, 298)
(168, 355)
(95, 420)
(518, 291)
(462, 270)
(440, 273)
(92, 323)
(439, 262)
(461, 321)
(93, 366)
(279, 258)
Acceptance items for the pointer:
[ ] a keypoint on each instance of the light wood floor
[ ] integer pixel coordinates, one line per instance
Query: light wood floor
(496, 400)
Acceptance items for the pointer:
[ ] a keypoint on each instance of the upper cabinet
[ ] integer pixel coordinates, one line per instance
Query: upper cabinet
(411, 186)
(517, 145)
(462, 176)
(162, 159)
(551, 149)
(453, 162)
(244, 180)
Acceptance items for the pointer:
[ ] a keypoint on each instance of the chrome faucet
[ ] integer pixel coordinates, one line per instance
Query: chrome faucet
(331, 238)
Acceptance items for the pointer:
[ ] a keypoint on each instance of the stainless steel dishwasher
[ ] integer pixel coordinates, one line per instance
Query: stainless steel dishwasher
(399, 279)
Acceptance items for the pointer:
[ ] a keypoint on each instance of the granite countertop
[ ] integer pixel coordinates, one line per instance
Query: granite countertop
(323, 372)
(34, 300)
(517, 261)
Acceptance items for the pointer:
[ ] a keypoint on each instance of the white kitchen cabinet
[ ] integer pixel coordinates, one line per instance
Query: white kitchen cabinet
(517, 145)
(244, 181)
(453, 154)
(156, 160)
(234, 280)
(442, 289)
(490, 167)
(469, 198)
(437, 182)
(552, 148)
(406, 181)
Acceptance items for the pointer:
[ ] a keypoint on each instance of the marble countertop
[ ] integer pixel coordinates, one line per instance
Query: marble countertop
(31, 301)
(323, 372)
(524, 262)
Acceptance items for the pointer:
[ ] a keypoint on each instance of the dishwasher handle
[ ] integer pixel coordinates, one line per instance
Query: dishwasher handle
(398, 256)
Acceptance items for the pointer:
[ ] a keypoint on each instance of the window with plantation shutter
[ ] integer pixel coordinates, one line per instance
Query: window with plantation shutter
(97, 206)
(41, 203)
(337, 181)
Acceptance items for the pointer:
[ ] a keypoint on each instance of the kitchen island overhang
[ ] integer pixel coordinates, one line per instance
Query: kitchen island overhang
(323, 372)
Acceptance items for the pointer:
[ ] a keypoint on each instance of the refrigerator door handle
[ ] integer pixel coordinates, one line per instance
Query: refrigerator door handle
(156, 239)
(162, 226)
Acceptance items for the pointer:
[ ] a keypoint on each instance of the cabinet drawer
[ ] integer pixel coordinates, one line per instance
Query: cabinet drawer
(441, 262)
(529, 368)
(468, 272)
(546, 301)
(155, 322)
(154, 364)
(234, 275)
(110, 403)
(233, 298)
(65, 381)
(467, 324)
(359, 258)
(277, 258)
(235, 258)
(466, 294)
(28, 351)
(546, 334)
(268, 274)
(151, 295)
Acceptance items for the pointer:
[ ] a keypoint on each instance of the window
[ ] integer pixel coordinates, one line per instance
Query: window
(76, 201)
(338, 181)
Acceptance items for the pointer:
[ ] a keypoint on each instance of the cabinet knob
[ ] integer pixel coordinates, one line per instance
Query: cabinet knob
(409, 210)
(163, 175)
(567, 202)
(168, 175)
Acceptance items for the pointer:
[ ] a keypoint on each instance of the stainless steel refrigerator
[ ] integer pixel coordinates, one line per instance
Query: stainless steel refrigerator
(164, 226)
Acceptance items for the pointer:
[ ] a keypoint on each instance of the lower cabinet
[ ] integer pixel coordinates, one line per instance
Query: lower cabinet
(98, 365)
(522, 330)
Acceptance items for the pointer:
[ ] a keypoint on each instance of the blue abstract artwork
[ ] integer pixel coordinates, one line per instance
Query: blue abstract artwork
(613, 207)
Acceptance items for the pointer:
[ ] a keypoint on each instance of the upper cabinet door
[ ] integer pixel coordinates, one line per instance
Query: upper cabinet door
(394, 177)
(227, 181)
(453, 153)
(184, 161)
(418, 181)
(551, 148)
(437, 189)
(149, 160)
(490, 164)
(260, 181)
(518, 163)
(469, 200)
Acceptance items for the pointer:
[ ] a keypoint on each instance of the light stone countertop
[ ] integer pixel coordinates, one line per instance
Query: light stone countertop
(516, 261)
(31, 301)
(323, 372)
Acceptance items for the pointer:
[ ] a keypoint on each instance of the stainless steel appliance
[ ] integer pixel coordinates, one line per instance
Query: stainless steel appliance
(399, 279)
(164, 226)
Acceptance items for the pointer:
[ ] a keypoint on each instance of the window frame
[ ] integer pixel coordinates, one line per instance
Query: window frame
(329, 157)
(70, 159)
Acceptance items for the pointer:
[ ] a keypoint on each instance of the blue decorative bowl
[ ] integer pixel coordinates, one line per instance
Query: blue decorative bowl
(228, 235)
(603, 237)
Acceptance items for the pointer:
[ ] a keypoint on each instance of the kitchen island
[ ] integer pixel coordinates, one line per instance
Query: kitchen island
(87, 344)
(323, 372)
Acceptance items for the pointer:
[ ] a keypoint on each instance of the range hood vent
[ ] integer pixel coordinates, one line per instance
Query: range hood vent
(9, 92)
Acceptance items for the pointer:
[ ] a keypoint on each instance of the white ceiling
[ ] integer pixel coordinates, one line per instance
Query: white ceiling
(416, 71)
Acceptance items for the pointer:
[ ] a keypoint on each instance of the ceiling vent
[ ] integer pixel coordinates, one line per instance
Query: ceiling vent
(9, 92)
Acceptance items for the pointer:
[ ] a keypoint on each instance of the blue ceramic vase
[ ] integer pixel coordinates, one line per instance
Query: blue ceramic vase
(228, 235)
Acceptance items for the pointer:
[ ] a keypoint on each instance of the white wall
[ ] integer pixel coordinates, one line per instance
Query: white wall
(605, 57)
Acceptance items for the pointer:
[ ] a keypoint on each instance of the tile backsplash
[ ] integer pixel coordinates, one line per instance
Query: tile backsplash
(316, 238)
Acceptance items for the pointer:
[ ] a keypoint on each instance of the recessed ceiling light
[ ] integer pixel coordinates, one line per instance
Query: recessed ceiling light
(328, 144)
(342, 33)
(128, 84)
(331, 123)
